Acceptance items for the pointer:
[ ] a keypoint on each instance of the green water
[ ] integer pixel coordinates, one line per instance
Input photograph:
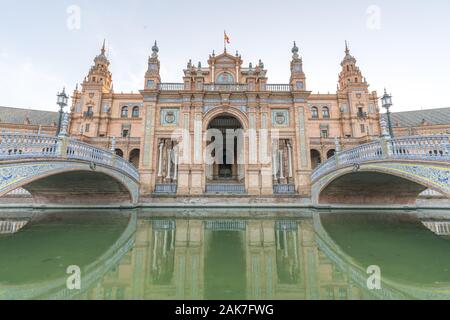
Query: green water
(222, 255)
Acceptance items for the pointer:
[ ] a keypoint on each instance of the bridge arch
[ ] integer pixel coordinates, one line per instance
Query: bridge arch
(61, 171)
(68, 183)
(384, 172)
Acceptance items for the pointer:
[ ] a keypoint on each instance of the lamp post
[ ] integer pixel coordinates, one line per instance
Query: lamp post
(386, 102)
(61, 101)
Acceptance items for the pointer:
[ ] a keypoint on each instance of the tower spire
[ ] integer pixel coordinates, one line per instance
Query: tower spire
(104, 47)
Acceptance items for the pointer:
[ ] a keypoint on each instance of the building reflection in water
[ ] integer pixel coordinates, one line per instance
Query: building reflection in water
(163, 252)
(225, 259)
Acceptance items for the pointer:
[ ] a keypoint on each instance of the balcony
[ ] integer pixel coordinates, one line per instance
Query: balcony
(88, 114)
(362, 115)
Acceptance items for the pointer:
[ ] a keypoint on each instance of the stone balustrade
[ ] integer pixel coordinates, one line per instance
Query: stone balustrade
(171, 86)
(14, 146)
(432, 148)
(232, 87)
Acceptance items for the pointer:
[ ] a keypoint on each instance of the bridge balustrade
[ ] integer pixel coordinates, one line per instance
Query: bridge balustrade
(14, 146)
(432, 148)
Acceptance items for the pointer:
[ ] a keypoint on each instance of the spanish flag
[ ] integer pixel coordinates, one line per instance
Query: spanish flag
(226, 38)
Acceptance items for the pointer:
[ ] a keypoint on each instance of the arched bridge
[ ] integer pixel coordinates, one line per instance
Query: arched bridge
(388, 171)
(59, 170)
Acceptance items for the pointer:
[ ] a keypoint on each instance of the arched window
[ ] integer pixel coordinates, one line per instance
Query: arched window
(316, 158)
(225, 78)
(135, 113)
(315, 113)
(124, 112)
(326, 113)
(331, 153)
(134, 157)
(119, 153)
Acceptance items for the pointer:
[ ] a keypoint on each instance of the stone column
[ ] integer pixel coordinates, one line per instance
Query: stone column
(175, 174)
(198, 167)
(160, 162)
(147, 150)
(290, 160)
(280, 158)
(302, 155)
(253, 168)
(169, 164)
(185, 145)
(265, 151)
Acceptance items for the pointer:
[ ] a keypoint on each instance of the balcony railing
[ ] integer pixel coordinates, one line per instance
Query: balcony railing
(279, 87)
(171, 86)
(88, 114)
(225, 87)
(216, 87)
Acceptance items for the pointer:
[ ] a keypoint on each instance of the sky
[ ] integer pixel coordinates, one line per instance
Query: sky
(401, 45)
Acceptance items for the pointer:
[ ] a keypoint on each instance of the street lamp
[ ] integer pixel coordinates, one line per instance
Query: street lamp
(386, 102)
(61, 101)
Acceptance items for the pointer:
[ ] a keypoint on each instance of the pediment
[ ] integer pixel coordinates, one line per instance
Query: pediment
(225, 59)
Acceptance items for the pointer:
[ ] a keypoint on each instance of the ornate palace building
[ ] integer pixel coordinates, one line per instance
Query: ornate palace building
(163, 128)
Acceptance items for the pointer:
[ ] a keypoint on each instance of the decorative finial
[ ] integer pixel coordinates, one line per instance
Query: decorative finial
(337, 143)
(347, 50)
(189, 65)
(261, 64)
(250, 66)
(214, 53)
(199, 65)
(104, 47)
(237, 53)
(155, 50)
(65, 125)
(113, 144)
(295, 51)
(295, 48)
(384, 129)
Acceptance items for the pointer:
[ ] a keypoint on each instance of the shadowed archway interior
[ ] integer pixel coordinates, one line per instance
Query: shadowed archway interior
(363, 188)
(78, 187)
(227, 166)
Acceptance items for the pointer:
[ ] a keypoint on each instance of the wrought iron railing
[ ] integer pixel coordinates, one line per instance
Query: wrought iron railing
(434, 148)
(28, 146)
(284, 189)
(225, 188)
(166, 188)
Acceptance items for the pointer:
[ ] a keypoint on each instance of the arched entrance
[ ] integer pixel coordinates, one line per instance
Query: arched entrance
(225, 168)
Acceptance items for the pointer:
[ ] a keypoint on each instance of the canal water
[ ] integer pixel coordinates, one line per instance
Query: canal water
(202, 254)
